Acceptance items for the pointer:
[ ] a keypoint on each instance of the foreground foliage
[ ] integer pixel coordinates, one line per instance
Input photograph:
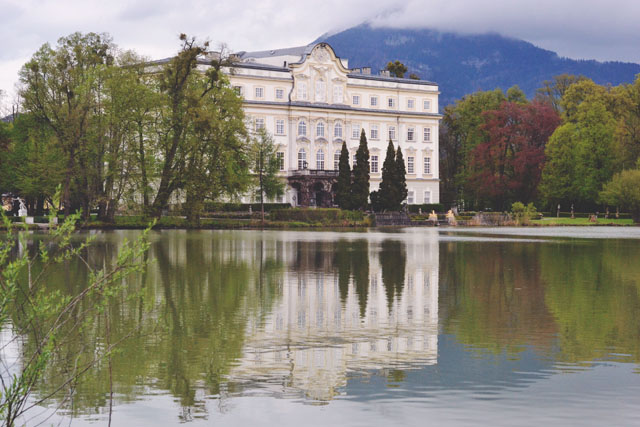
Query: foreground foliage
(42, 321)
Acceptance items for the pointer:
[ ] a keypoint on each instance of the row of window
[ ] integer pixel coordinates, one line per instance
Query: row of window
(338, 130)
(338, 96)
(373, 162)
(392, 103)
(411, 198)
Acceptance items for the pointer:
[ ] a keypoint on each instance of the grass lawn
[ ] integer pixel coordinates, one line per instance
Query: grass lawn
(581, 221)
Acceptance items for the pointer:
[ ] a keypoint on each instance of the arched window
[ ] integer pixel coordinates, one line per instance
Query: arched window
(337, 130)
(320, 160)
(320, 130)
(302, 128)
(302, 159)
(336, 160)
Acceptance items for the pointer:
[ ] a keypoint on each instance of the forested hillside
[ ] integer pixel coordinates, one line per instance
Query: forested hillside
(463, 64)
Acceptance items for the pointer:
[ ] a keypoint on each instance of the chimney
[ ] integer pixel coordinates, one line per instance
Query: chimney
(366, 70)
(356, 71)
(385, 73)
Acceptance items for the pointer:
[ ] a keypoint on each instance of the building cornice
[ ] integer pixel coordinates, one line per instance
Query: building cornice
(337, 107)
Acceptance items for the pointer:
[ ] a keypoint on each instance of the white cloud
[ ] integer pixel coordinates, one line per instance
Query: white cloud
(575, 28)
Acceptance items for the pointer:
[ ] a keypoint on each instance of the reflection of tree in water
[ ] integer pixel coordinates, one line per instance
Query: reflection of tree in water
(493, 295)
(187, 313)
(351, 260)
(393, 260)
(593, 291)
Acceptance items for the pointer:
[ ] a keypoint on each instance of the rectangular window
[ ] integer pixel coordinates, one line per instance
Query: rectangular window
(374, 101)
(279, 93)
(337, 94)
(426, 134)
(410, 165)
(392, 133)
(427, 196)
(353, 160)
(410, 134)
(355, 130)
(259, 124)
(279, 127)
(238, 90)
(374, 164)
(259, 92)
(302, 91)
(411, 104)
(392, 103)
(427, 165)
(374, 132)
(427, 105)
(356, 99)
(280, 157)
(410, 198)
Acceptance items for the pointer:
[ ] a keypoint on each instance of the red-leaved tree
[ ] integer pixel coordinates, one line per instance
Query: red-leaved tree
(507, 167)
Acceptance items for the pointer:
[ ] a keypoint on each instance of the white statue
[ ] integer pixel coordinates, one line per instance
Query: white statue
(23, 209)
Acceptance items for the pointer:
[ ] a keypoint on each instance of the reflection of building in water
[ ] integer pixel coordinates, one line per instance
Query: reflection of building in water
(327, 325)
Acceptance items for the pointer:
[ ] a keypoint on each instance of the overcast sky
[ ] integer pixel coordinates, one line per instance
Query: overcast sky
(593, 29)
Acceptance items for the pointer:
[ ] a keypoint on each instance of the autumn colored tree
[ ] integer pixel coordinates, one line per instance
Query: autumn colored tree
(508, 165)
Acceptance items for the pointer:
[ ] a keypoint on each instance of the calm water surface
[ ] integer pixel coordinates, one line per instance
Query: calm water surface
(414, 327)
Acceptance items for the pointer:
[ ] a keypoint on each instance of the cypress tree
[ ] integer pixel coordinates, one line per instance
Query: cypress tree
(388, 199)
(360, 187)
(343, 187)
(400, 180)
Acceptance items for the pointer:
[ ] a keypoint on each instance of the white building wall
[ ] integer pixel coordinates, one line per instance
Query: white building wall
(273, 92)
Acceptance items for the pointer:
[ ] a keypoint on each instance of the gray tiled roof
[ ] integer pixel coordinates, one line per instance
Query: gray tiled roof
(290, 51)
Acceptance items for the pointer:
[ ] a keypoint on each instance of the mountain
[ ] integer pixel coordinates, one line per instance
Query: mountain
(462, 64)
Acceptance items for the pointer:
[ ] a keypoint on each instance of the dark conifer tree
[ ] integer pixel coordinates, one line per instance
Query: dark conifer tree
(400, 178)
(387, 194)
(343, 187)
(360, 187)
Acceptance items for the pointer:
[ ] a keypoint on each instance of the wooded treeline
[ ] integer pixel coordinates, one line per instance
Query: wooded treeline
(560, 148)
(111, 127)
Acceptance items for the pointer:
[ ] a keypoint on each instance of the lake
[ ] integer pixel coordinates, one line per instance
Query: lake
(419, 326)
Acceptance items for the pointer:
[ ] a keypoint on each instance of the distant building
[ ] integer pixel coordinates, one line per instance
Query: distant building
(310, 101)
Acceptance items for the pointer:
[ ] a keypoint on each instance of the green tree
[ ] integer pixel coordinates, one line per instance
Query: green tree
(265, 167)
(360, 186)
(515, 94)
(200, 131)
(61, 88)
(552, 91)
(397, 69)
(624, 191)
(388, 199)
(343, 186)
(400, 186)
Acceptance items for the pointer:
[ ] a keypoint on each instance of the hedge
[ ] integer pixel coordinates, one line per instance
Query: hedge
(243, 207)
(322, 215)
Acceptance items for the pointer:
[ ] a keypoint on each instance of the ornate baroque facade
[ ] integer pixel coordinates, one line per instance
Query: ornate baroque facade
(310, 101)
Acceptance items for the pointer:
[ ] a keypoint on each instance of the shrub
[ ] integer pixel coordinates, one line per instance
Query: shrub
(523, 214)
(325, 216)
(243, 207)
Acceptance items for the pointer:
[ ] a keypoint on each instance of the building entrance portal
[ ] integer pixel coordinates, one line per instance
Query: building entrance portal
(314, 187)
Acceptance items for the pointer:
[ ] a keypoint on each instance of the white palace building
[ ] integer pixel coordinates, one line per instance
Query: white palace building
(310, 101)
